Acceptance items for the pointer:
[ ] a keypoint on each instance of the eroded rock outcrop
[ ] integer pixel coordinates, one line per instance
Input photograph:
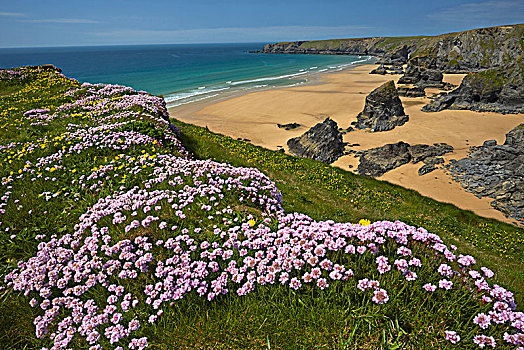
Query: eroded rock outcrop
(498, 90)
(421, 152)
(415, 91)
(377, 161)
(422, 72)
(323, 142)
(383, 109)
(386, 69)
(496, 171)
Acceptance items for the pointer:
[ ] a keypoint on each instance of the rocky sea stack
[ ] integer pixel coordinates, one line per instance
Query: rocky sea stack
(383, 110)
(499, 90)
(323, 142)
(422, 72)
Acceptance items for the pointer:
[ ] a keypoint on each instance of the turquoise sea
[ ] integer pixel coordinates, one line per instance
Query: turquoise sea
(181, 73)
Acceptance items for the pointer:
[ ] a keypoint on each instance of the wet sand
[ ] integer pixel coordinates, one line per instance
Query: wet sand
(341, 96)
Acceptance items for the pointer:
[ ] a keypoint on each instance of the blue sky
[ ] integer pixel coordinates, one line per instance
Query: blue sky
(25, 23)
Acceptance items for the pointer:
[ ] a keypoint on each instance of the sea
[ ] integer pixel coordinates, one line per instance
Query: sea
(182, 73)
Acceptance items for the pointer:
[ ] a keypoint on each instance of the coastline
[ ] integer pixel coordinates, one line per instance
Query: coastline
(310, 78)
(253, 115)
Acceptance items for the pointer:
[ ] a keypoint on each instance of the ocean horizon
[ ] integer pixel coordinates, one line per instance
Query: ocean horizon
(182, 73)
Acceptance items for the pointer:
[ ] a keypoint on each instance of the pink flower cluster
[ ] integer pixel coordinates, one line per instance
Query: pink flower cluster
(175, 232)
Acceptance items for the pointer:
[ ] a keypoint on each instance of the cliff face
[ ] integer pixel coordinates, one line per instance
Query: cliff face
(468, 51)
(394, 50)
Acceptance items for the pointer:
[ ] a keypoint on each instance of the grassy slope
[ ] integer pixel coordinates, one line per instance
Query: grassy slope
(279, 317)
(324, 192)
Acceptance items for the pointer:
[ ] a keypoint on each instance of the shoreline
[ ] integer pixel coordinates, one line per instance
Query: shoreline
(296, 78)
(253, 115)
(186, 110)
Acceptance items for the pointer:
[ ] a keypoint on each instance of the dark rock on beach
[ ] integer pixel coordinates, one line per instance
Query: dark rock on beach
(416, 91)
(426, 169)
(421, 72)
(378, 161)
(431, 78)
(496, 171)
(421, 152)
(383, 109)
(289, 126)
(323, 142)
(383, 70)
(379, 70)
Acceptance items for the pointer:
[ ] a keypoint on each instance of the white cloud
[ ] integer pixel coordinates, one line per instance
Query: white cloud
(63, 21)
(505, 11)
(11, 14)
(229, 34)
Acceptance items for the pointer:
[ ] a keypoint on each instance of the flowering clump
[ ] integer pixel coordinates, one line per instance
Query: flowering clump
(452, 337)
(150, 226)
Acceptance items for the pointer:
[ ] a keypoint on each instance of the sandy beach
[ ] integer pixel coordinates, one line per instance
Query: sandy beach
(341, 96)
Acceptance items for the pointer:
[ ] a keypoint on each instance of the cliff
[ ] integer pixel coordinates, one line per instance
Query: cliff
(467, 51)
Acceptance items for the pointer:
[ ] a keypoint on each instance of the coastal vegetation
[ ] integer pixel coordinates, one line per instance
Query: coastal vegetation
(120, 230)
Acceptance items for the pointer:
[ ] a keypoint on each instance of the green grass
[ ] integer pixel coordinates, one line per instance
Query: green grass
(273, 317)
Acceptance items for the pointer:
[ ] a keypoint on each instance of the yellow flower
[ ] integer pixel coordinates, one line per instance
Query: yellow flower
(364, 222)
(251, 222)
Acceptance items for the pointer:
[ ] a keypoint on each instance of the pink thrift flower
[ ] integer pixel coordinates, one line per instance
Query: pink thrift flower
(482, 341)
(295, 283)
(487, 272)
(380, 296)
(322, 283)
(452, 337)
(445, 284)
(482, 320)
(430, 287)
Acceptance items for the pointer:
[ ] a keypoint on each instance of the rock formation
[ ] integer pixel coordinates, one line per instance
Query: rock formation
(421, 152)
(422, 72)
(323, 142)
(416, 91)
(289, 126)
(383, 70)
(496, 171)
(383, 109)
(498, 90)
(379, 70)
(377, 161)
